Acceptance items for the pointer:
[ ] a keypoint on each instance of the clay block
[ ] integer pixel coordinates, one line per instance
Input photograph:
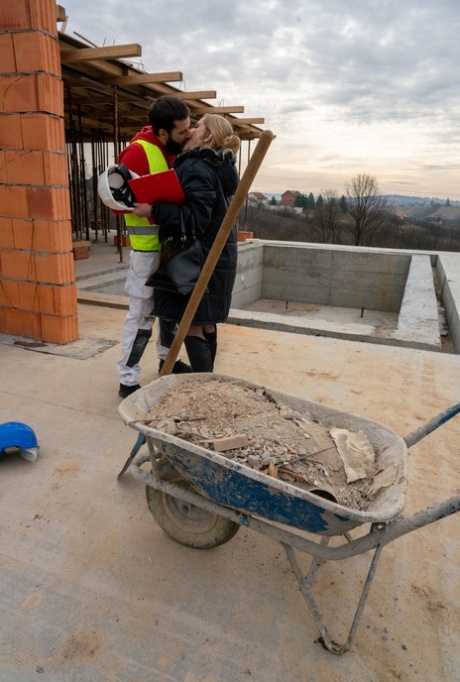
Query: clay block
(8, 63)
(10, 131)
(58, 329)
(239, 440)
(49, 203)
(6, 233)
(42, 131)
(80, 252)
(36, 51)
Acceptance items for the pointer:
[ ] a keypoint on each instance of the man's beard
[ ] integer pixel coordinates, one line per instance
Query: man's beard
(173, 147)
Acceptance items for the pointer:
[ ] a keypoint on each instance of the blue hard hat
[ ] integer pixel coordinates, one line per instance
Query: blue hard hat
(17, 435)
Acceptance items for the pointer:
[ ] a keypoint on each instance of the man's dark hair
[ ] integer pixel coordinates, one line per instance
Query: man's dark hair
(164, 111)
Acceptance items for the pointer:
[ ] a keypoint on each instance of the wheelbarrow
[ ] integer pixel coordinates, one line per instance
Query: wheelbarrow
(201, 498)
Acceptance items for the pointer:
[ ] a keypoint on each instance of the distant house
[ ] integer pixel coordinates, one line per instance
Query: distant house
(257, 198)
(289, 197)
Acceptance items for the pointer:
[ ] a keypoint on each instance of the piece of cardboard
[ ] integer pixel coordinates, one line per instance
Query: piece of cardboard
(162, 186)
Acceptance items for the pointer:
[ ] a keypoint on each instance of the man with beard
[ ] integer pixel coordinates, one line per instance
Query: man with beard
(153, 149)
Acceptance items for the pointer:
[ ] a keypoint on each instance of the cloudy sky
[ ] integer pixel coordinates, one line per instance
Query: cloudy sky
(347, 86)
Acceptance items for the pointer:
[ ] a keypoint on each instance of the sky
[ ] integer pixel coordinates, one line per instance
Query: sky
(346, 86)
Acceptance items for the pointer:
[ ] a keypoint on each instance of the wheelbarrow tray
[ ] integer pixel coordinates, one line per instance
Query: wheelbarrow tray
(236, 486)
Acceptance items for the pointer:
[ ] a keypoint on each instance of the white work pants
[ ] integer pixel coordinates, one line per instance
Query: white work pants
(137, 327)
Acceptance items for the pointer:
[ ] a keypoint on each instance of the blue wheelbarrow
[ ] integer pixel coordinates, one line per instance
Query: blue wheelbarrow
(201, 498)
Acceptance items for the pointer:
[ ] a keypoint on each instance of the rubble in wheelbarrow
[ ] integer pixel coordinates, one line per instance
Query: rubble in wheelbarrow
(250, 426)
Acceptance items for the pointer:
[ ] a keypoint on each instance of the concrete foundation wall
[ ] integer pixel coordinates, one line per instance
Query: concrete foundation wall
(324, 276)
(448, 269)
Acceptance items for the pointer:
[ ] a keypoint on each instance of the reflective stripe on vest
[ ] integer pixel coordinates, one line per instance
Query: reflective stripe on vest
(142, 235)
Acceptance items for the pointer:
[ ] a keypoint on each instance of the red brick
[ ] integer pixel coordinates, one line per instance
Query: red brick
(15, 15)
(50, 94)
(65, 300)
(28, 296)
(24, 14)
(52, 236)
(19, 265)
(80, 252)
(36, 51)
(10, 131)
(8, 63)
(22, 323)
(9, 293)
(43, 131)
(6, 233)
(57, 329)
(49, 203)
(43, 15)
(14, 202)
(18, 93)
(36, 235)
(33, 168)
(32, 92)
(38, 267)
(55, 268)
(3, 168)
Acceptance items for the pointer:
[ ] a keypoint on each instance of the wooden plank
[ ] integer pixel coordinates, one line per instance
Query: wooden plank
(89, 54)
(145, 78)
(219, 110)
(247, 121)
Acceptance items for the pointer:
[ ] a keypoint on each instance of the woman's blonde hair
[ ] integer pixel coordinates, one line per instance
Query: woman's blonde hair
(222, 133)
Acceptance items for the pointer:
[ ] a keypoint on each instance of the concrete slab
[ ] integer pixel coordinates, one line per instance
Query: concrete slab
(92, 589)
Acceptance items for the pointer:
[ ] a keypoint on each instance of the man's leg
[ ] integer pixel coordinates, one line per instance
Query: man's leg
(136, 333)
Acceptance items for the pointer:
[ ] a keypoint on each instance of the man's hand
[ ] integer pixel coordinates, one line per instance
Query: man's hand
(142, 210)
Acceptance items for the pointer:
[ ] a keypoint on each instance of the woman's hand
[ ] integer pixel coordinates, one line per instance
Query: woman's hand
(142, 210)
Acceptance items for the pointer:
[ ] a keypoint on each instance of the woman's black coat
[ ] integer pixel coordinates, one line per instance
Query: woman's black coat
(209, 179)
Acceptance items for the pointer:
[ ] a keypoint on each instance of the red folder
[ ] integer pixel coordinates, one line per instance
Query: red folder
(162, 186)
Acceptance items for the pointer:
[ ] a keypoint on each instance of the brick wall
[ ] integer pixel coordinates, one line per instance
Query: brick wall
(38, 296)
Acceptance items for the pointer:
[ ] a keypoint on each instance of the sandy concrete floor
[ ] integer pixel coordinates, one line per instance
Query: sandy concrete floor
(93, 590)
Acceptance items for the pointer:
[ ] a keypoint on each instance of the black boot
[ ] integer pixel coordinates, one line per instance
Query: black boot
(199, 354)
(211, 338)
(167, 333)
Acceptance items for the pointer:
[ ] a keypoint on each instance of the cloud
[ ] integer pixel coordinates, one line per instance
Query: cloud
(341, 85)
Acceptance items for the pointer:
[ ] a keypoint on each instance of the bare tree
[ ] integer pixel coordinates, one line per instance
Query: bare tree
(368, 210)
(328, 217)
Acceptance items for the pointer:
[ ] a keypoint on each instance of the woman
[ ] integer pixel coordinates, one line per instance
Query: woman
(209, 178)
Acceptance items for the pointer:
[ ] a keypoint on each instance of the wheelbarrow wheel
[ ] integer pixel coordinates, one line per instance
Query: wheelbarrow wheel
(186, 523)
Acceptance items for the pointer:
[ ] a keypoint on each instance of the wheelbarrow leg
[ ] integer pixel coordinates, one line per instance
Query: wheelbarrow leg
(137, 446)
(306, 584)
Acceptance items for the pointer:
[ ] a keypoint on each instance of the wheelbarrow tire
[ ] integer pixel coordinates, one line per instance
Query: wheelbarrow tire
(186, 523)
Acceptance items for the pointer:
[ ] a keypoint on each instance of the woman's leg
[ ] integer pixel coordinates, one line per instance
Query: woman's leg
(198, 350)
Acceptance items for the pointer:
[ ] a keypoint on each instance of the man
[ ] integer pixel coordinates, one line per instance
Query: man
(152, 150)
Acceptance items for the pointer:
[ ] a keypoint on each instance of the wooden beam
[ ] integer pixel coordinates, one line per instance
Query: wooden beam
(198, 94)
(95, 53)
(218, 110)
(60, 14)
(246, 121)
(145, 78)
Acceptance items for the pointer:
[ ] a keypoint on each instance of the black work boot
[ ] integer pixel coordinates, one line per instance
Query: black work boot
(211, 338)
(180, 367)
(199, 354)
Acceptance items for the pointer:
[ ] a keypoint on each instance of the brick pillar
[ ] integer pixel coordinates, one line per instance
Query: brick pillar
(38, 296)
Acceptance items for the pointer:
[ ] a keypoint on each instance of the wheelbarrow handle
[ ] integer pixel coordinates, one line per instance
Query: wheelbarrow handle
(431, 425)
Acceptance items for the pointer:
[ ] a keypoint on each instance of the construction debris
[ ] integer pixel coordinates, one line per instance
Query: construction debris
(249, 425)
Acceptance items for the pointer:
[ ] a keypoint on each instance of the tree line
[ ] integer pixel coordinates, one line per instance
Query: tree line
(361, 216)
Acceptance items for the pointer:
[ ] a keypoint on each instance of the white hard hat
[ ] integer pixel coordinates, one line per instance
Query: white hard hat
(113, 188)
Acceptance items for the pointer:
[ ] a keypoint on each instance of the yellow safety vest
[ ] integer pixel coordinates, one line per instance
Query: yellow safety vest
(142, 235)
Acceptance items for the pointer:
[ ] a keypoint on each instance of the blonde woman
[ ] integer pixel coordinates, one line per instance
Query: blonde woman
(208, 175)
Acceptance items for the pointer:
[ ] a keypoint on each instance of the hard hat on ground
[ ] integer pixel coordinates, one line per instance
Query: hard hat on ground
(113, 188)
(18, 437)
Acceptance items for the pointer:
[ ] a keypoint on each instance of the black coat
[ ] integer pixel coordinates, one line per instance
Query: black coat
(209, 180)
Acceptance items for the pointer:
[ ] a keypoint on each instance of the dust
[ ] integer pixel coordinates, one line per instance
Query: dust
(280, 441)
